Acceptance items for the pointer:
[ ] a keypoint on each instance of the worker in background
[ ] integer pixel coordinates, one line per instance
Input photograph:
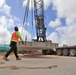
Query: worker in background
(13, 44)
(54, 50)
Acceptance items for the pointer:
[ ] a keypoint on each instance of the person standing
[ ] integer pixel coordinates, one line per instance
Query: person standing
(54, 50)
(13, 44)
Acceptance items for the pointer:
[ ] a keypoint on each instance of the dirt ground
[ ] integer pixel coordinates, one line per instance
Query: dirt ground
(38, 65)
(33, 56)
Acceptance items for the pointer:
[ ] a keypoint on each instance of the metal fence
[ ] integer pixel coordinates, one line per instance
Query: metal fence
(4, 47)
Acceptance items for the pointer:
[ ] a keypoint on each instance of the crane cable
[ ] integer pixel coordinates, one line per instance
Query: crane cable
(25, 19)
(32, 30)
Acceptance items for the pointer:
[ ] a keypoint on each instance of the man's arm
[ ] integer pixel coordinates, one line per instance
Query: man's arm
(18, 34)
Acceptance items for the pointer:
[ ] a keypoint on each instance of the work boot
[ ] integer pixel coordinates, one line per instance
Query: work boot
(5, 59)
(18, 58)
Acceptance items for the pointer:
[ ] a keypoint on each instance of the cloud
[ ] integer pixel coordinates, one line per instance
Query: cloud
(7, 25)
(65, 8)
(4, 33)
(24, 3)
(54, 37)
(2, 2)
(7, 22)
(4, 36)
(65, 34)
(7, 9)
(55, 23)
(4, 8)
(70, 21)
(47, 3)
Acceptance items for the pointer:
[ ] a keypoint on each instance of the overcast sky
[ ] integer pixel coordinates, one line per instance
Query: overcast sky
(60, 20)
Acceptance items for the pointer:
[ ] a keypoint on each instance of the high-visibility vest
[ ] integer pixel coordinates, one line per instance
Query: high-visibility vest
(14, 36)
(54, 49)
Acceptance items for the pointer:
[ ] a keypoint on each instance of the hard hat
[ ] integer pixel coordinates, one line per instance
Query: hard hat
(16, 28)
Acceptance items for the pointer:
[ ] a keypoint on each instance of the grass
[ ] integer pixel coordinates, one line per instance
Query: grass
(2, 53)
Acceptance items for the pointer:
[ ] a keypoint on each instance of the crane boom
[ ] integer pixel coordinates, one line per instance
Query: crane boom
(39, 19)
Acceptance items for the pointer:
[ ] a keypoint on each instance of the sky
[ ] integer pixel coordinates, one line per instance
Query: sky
(60, 20)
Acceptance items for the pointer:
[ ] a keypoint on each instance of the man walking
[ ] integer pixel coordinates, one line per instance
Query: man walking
(13, 45)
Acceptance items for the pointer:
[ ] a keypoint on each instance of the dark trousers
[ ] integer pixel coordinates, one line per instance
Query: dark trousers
(13, 48)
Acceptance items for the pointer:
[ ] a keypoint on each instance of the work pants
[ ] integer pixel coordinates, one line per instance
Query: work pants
(13, 48)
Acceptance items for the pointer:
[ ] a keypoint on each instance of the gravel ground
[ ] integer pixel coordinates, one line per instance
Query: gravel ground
(38, 65)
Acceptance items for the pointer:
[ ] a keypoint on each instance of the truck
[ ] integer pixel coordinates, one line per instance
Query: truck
(47, 48)
(66, 51)
(41, 43)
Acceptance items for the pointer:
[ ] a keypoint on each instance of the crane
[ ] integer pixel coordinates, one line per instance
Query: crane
(39, 19)
(41, 43)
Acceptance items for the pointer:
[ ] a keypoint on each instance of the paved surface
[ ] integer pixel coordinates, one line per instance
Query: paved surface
(65, 65)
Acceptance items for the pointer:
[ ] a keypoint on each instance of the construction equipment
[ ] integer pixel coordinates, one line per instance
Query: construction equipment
(39, 19)
(41, 42)
(66, 51)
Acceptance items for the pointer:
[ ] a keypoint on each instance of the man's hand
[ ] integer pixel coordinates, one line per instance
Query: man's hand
(10, 45)
(22, 42)
(9, 48)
